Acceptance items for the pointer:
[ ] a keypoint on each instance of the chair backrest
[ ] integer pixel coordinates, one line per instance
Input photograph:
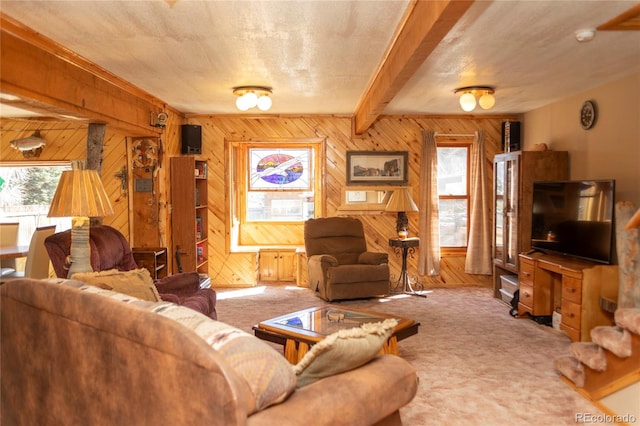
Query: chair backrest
(109, 250)
(341, 237)
(37, 264)
(9, 237)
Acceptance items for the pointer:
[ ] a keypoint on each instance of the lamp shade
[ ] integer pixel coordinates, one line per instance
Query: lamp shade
(80, 193)
(241, 103)
(250, 99)
(468, 102)
(264, 103)
(487, 101)
(401, 201)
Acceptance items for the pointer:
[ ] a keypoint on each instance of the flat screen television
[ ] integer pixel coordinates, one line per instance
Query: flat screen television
(574, 218)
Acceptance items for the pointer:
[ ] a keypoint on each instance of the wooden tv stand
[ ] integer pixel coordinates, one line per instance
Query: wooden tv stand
(548, 282)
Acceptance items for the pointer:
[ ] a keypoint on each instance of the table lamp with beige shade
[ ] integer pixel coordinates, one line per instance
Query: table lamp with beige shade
(80, 195)
(401, 202)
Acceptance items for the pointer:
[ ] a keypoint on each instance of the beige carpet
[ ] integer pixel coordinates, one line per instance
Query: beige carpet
(476, 364)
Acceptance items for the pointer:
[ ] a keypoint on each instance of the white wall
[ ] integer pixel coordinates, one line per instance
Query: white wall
(610, 149)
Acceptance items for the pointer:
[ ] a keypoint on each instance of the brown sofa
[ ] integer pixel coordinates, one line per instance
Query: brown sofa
(72, 356)
(339, 265)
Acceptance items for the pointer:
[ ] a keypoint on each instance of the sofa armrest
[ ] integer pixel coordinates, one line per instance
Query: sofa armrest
(365, 395)
(317, 267)
(324, 259)
(170, 297)
(184, 289)
(187, 282)
(370, 258)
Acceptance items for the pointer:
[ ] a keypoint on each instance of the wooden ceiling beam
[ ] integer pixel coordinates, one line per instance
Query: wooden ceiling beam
(40, 71)
(424, 26)
(626, 21)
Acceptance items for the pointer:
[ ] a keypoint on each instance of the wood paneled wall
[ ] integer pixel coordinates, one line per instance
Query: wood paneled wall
(150, 219)
(67, 141)
(389, 133)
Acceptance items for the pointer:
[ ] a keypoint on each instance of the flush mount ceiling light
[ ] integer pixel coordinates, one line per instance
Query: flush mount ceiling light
(470, 93)
(253, 96)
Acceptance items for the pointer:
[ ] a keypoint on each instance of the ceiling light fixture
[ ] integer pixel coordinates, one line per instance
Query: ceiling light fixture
(470, 93)
(252, 96)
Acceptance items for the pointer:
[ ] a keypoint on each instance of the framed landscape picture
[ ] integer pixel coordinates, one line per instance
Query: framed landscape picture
(377, 167)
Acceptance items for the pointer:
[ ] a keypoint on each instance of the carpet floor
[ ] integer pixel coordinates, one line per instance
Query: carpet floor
(476, 364)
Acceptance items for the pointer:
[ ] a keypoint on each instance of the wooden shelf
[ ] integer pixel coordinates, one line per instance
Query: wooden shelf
(189, 200)
(365, 199)
(153, 259)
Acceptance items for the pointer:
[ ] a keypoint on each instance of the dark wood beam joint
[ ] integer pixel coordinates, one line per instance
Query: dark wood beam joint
(95, 146)
(95, 154)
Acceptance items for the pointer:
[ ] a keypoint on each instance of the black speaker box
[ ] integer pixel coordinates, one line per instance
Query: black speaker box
(510, 136)
(191, 139)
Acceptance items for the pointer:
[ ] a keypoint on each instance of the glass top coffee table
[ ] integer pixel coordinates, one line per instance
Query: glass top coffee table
(299, 330)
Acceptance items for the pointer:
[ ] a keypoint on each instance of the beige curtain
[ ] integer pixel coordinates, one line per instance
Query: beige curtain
(428, 214)
(478, 259)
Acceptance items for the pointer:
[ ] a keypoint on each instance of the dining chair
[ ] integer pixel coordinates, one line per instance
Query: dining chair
(37, 264)
(8, 238)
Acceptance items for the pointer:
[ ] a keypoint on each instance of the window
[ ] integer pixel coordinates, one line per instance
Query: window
(453, 191)
(26, 191)
(279, 184)
(274, 187)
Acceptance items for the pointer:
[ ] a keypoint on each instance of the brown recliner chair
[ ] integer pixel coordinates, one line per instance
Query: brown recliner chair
(111, 250)
(339, 265)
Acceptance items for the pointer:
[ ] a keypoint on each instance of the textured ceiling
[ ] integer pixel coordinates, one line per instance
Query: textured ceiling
(320, 56)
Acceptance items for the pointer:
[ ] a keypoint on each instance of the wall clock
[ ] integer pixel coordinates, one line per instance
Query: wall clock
(588, 115)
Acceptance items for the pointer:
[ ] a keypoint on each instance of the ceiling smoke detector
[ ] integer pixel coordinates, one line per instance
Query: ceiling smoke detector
(586, 34)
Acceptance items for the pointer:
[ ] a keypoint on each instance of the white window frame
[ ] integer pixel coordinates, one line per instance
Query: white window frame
(467, 196)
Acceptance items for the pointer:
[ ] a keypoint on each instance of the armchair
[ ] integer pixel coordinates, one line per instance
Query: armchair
(339, 265)
(111, 250)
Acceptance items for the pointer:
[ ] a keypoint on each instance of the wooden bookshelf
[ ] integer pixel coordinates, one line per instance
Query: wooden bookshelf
(154, 259)
(189, 201)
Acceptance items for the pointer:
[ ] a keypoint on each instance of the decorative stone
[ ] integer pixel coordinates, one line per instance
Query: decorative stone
(571, 368)
(628, 248)
(615, 339)
(590, 354)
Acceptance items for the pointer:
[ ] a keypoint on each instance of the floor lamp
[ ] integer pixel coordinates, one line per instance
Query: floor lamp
(80, 195)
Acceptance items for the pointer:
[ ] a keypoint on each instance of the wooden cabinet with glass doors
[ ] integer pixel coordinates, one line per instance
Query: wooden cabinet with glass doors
(513, 177)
